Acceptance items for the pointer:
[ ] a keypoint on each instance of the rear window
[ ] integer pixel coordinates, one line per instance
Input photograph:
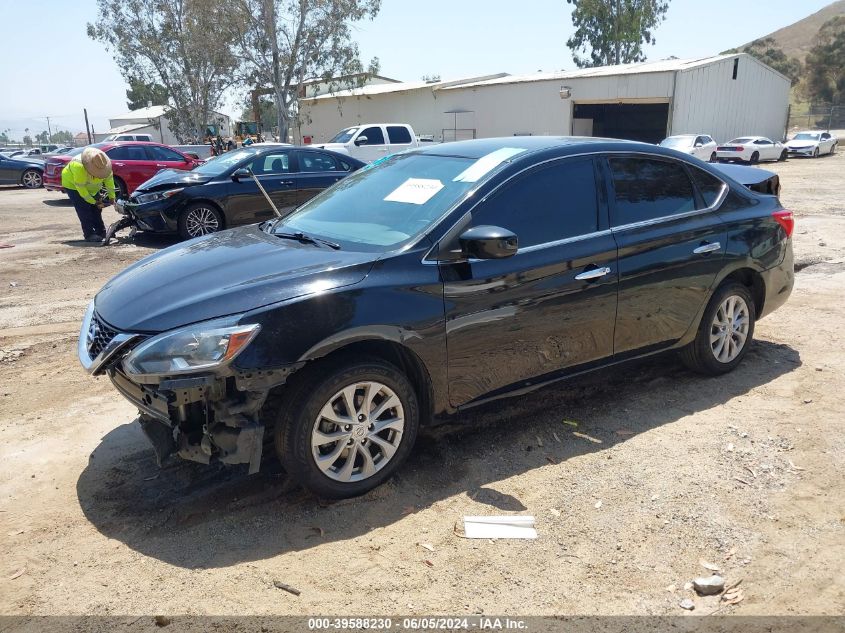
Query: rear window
(317, 161)
(398, 134)
(647, 189)
(128, 152)
(741, 141)
(708, 185)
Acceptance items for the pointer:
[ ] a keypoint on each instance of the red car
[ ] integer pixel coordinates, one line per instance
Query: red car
(133, 163)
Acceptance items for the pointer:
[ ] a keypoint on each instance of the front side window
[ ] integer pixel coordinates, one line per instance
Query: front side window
(398, 134)
(646, 189)
(548, 204)
(164, 153)
(374, 136)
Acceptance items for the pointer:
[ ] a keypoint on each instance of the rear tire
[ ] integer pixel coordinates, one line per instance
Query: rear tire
(725, 331)
(122, 191)
(200, 218)
(360, 449)
(755, 158)
(713, 157)
(32, 179)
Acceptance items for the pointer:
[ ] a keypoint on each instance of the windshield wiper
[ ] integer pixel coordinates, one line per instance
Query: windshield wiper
(307, 239)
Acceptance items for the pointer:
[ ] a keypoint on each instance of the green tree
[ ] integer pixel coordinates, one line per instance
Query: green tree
(62, 136)
(142, 94)
(27, 140)
(613, 31)
(826, 63)
(267, 112)
(767, 51)
(4, 139)
(283, 43)
(42, 137)
(183, 45)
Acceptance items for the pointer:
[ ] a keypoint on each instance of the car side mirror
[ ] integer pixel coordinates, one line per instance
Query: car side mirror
(488, 242)
(192, 155)
(699, 144)
(361, 140)
(243, 172)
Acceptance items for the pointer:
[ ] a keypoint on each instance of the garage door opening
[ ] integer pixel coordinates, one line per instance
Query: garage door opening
(646, 122)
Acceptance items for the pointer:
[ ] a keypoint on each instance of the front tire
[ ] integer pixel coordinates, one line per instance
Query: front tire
(32, 179)
(199, 219)
(782, 156)
(342, 432)
(816, 153)
(725, 331)
(122, 190)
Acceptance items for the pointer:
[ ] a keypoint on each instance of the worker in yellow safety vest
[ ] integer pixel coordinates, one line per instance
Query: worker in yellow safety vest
(83, 178)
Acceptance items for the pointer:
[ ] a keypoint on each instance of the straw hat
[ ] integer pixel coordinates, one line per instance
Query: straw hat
(96, 162)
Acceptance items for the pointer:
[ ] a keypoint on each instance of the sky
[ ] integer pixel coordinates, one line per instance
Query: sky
(51, 68)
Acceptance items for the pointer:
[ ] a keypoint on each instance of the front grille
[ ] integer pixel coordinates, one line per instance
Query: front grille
(99, 336)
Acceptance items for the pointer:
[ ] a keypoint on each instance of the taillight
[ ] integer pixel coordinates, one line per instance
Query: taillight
(786, 220)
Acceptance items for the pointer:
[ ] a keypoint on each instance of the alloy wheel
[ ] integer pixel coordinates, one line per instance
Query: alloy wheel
(729, 329)
(32, 180)
(357, 432)
(201, 221)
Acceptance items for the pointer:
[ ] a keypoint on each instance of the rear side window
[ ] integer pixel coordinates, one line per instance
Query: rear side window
(647, 189)
(276, 163)
(374, 136)
(398, 134)
(128, 152)
(549, 204)
(164, 153)
(708, 185)
(317, 161)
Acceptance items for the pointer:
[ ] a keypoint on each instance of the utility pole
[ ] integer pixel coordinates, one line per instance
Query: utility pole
(87, 128)
(49, 131)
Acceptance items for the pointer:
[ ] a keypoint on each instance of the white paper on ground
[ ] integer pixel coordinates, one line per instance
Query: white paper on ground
(415, 191)
(486, 164)
(516, 526)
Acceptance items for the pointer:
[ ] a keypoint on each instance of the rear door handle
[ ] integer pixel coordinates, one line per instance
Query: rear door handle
(707, 248)
(160, 165)
(287, 182)
(118, 164)
(593, 273)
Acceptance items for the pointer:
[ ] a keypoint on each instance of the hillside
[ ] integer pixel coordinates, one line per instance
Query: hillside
(797, 39)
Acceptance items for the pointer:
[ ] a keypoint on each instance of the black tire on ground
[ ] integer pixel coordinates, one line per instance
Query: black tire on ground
(699, 355)
(122, 192)
(783, 156)
(32, 179)
(816, 153)
(833, 149)
(315, 387)
(755, 158)
(713, 157)
(200, 218)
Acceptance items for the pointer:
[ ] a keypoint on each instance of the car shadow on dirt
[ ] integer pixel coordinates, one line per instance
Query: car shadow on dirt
(196, 516)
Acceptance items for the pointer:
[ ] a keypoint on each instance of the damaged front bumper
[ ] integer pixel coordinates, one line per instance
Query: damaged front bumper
(210, 416)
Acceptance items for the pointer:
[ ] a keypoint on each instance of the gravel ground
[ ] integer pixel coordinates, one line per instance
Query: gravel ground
(664, 470)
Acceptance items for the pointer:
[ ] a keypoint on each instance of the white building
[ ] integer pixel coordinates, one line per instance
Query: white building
(723, 96)
(152, 121)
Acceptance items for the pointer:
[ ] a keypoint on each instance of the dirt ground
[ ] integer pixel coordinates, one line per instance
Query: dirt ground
(745, 471)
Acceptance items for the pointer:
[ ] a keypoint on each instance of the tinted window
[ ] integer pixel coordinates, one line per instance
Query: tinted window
(707, 139)
(317, 161)
(551, 203)
(398, 134)
(648, 189)
(708, 186)
(374, 136)
(275, 163)
(128, 152)
(763, 141)
(164, 153)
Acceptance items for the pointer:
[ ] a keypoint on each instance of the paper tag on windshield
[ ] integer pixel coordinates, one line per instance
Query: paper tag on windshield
(487, 163)
(415, 191)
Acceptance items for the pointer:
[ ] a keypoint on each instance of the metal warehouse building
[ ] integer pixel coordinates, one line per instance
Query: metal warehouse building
(724, 96)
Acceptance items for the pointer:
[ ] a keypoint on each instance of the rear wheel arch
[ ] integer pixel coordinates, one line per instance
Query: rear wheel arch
(751, 279)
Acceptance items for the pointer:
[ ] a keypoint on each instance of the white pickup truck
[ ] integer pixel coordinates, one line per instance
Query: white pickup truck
(371, 141)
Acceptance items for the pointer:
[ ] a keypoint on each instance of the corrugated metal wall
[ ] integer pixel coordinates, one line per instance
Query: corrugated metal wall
(708, 100)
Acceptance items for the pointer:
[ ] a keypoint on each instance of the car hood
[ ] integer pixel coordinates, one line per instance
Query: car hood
(335, 147)
(800, 143)
(221, 274)
(170, 178)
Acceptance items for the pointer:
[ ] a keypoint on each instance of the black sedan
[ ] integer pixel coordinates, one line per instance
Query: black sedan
(428, 283)
(28, 172)
(221, 193)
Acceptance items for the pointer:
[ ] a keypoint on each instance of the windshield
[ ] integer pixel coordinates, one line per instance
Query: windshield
(388, 203)
(806, 136)
(677, 141)
(741, 141)
(219, 164)
(345, 135)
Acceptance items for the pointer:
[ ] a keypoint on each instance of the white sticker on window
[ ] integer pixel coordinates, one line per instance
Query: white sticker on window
(486, 164)
(415, 191)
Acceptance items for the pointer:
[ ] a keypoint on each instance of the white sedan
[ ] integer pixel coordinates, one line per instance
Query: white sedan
(751, 149)
(811, 144)
(699, 145)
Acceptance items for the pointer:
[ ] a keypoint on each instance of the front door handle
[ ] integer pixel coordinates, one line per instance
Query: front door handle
(593, 273)
(707, 248)
(118, 164)
(287, 183)
(160, 165)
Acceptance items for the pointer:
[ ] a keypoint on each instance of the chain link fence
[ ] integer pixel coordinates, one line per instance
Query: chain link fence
(816, 116)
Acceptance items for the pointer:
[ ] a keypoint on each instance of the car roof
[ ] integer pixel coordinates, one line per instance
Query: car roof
(481, 147)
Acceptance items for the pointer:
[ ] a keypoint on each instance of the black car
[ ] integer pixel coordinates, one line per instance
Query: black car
(430, 282)
(221, 193)
(19, 170)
